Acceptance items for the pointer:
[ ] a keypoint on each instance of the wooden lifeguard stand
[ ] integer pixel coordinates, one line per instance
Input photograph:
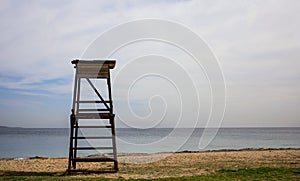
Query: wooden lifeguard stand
(99, 111)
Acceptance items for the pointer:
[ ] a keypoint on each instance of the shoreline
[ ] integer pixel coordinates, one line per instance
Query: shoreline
(158, 153)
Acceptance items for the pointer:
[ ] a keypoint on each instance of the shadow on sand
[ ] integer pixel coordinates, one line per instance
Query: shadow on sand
(21, 173)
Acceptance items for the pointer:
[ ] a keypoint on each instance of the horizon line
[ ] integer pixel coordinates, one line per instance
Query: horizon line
(20, 127)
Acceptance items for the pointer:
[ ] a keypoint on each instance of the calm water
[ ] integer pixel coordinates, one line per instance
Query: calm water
(53, 142)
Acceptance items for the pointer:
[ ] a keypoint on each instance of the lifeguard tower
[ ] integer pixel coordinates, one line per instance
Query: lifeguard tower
(98, 112)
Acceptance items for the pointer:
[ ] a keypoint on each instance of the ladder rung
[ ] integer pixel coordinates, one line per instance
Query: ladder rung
(99, 159)
(93, 148)
(92, 101)
(106, 126)
(94, 116)
(93, 137)
(85, 110)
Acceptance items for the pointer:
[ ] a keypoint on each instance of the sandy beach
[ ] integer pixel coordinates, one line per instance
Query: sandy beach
(174, 165)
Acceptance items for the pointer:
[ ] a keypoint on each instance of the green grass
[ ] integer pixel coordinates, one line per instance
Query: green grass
(265, 173)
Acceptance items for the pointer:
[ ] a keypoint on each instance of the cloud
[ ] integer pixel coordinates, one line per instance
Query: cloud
(256, 42)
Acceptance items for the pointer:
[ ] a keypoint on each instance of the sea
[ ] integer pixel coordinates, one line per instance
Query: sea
(19, 143)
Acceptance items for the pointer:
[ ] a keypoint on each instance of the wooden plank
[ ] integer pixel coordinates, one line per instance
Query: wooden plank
(93, 101)
(105, 126)
(93, 137)
(93, 75)
(110, 63)
(94, 116)
(93, 148)
(93, 171)
(98, 159)
(91, 110)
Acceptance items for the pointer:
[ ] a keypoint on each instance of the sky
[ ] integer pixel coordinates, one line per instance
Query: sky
(256, 44)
